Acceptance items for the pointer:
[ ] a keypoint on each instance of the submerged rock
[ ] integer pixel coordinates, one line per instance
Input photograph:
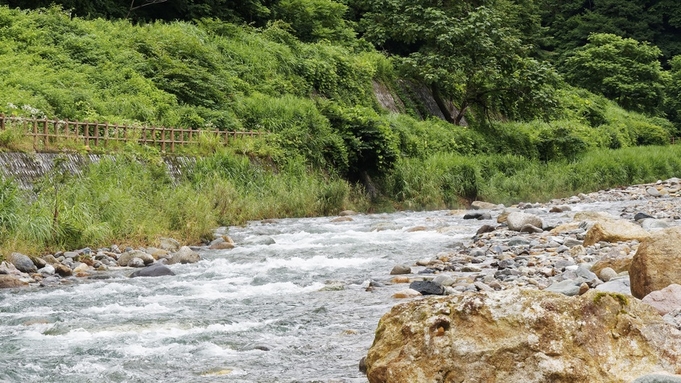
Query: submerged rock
(184, 255)
(522, 336)
(155, 270)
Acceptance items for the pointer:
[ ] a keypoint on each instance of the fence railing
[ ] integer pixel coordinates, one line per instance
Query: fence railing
(47, 132)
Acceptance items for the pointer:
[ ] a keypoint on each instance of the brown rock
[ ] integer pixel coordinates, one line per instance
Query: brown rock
(417, 228)
(408, 293)
(527, 336)
(665, 300)
(62, 270)
(657, 262)
(565, 228)
(400, 279)
(614, 231)
(9, 281)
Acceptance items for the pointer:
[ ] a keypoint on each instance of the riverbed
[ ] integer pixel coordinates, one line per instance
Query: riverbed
(288, 304)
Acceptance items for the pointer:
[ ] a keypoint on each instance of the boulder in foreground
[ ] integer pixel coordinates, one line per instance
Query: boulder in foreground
(525, 336)
(657, 262)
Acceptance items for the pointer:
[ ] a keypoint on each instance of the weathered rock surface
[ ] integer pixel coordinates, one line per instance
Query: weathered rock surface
(522, 336)
(614, 231)
(665, 300)
(617, 258)
(658, 378)
(516, 221)
(400, 269)
(480, 205)
(427, 288)
(169, 244)
(657, 262)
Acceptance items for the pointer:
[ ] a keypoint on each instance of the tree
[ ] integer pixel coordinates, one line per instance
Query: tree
(621, 69)
(469, 52)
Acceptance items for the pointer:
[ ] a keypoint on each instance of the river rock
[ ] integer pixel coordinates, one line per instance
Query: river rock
(62, 270)
(607, 274)
(516, 221)
(530, 229)
(480, 205)
(524, 336)
(184, 255)
(135, 262)
(49, 258)
(653, 192)
(658, 378)
(657, 262)
(341, 219)
(400, 269)
(154, 270)
(169, 244)
(125, 258)
(427, 287)
(407, 293)
(22, 262)
(222, 243)
(641, 216)
(485, 229)
(503, 217)
(614, 231)
(618, 285)
(650, 224)
(665, 300)
(569, 287)
(617, 258)
(9, 281)
(47, 270)
(345, 213)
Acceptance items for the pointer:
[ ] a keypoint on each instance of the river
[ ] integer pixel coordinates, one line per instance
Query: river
(296, 310)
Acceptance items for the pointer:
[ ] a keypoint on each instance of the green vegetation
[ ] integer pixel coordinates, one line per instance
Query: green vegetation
(370, 105)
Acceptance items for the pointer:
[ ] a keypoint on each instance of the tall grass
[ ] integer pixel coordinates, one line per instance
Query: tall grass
(450, 180)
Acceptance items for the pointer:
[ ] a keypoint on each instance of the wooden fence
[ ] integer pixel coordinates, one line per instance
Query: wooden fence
(50, 132)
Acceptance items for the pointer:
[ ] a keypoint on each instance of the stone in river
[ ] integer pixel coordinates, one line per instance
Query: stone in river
(485, 229)
(408, 293)
(22, 263)
(9, 281)
(642, 216)
(169, 244)
(427, 288)
(155, 270)
(400, 269)
(658, 378)
(184, 255)
(517, 220)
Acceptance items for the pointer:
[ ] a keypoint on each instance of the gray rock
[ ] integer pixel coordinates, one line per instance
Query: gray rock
(169, 244)
(653, 192)
(516, 241)
(572, 242)
(641, 216)
(49, 258)
(567, 287)
(184, 255)
(530, 229)
(485, 216)
(479, 205)
(473, 215)
(482, 287)
(259, 240)
(400, 269)
(22, 263)
(583, 271)
(427, 288)
(607, 274)
(562, 249)
(516, 220)
(221, 244)
(444, 280)
(617, 285)
(652, 224)
(154, 270)
(47, 270)
(346, 213)
(658, 378)
(38, 262)
(470, 269)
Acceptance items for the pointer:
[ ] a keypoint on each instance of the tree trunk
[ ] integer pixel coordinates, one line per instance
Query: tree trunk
(459, 116)
(441, 104)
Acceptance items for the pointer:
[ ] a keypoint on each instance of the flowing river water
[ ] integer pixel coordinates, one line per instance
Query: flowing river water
(288, 304)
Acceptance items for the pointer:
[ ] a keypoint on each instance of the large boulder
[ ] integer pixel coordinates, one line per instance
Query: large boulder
(525, 336)
(614, 231)
(516, 221)
(657, 262)
(169, 244)
(22, 263)
(184, 255)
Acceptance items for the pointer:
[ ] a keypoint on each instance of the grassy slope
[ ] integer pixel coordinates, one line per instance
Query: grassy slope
(316, 99)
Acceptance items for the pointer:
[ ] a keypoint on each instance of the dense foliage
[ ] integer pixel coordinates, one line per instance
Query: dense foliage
(423, 103)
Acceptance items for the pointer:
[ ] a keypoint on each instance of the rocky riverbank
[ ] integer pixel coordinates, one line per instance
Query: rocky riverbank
(543, 293)
(53, 269)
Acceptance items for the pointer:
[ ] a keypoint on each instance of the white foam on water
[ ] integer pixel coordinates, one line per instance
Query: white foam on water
(117, 309)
